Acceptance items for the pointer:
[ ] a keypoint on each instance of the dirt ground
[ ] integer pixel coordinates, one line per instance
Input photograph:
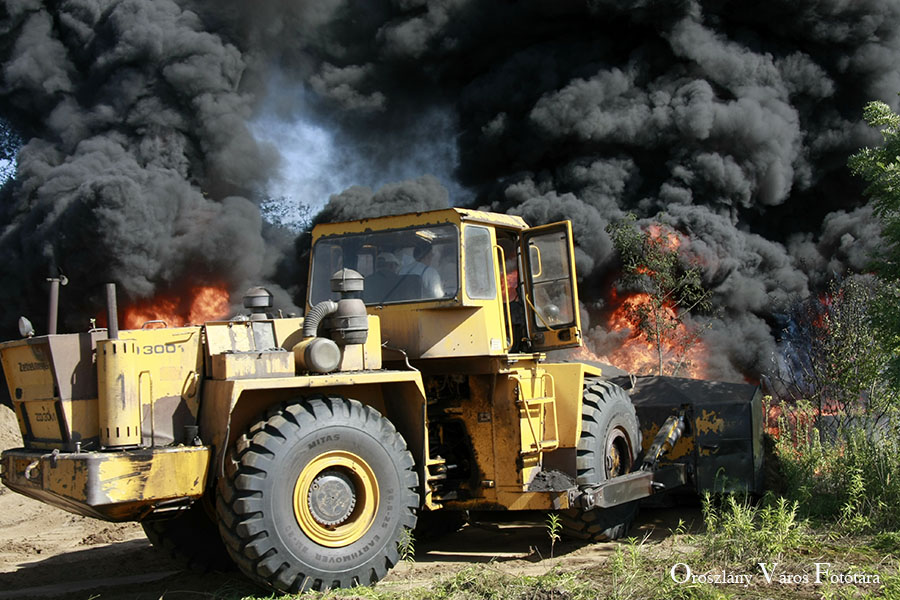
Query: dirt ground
(50, 554)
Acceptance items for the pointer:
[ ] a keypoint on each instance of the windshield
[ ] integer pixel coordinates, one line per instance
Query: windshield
(403, 265)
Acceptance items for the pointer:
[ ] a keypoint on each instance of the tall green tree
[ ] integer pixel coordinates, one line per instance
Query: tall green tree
(651, 265)
(880, 167)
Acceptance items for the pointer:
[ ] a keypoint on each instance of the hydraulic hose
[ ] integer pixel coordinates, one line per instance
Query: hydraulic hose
(315, 316)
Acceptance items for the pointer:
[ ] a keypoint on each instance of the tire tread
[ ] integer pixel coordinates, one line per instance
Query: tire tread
(239, 497)
(600, 398)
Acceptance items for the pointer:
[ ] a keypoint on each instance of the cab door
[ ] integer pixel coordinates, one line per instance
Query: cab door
(551, 294)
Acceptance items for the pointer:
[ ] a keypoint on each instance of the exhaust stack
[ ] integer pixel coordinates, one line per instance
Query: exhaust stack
(53, 311)
(112, 312)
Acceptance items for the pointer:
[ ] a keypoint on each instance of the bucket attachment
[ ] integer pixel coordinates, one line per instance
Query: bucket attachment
(721, 446)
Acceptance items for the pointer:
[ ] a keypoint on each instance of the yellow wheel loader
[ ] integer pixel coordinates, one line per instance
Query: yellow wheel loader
(415, 390)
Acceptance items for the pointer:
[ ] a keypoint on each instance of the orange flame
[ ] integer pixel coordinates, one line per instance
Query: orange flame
(584, 353)
(201, 304)
(665, 237)
(683, 354)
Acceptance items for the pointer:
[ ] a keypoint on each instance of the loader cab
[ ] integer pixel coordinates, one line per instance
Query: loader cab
(456, 283)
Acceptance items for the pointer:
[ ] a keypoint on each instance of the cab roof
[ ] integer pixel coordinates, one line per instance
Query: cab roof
(445, 215)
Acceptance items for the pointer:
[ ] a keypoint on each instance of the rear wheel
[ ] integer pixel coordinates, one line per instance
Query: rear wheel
(191, 537)
(318, 496)
(608, 447)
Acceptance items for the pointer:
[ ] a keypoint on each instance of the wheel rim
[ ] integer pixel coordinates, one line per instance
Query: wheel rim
(618, 454)
(336, 498)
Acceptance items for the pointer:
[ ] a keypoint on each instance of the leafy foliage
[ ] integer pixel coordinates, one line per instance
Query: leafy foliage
(852, 479)
(831, 356)
(286, 212)
(880, 167)
(652, 265)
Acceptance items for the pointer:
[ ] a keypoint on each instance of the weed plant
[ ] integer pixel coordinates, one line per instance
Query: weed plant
(554, 526)
(738, 531)
(406, 545)
(849, 475)
(887, 542)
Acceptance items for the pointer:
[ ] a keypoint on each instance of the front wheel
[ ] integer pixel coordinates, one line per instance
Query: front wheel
(608, 447)
(319, 495)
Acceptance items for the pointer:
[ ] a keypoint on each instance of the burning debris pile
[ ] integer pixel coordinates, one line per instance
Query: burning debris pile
(729, 122)
(681, 351)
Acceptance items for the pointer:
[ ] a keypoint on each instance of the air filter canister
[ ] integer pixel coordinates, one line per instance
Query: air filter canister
(117, 386)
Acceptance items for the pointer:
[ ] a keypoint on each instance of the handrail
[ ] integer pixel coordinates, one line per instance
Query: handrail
(540, 261)
(539, 316)
(509, 327)
(537, 442)
(552, 395)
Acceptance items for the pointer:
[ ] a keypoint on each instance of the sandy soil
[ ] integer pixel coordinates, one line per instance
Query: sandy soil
(50, 554)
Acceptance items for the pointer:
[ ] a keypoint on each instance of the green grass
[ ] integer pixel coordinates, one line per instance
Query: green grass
(738, 534)
(739, 531)
(849, 479)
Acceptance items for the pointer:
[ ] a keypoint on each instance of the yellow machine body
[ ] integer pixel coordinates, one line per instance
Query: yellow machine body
(471, 320)
(121, 428)
(149, 380)
(77, 397)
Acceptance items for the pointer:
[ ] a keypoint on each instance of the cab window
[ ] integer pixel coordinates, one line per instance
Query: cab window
(402, 265)
(479, 263)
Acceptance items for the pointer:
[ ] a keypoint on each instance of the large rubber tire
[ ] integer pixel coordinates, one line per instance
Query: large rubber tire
(609, 445)
(317, 496)
(192, 538)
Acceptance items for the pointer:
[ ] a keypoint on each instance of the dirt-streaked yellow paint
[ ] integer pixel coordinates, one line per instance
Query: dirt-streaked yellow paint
(709, 422)
(683, 447)
(166, 473)
(117, 486)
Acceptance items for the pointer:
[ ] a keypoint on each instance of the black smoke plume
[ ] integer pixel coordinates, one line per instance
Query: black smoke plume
(138, 162)
(730, 121)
